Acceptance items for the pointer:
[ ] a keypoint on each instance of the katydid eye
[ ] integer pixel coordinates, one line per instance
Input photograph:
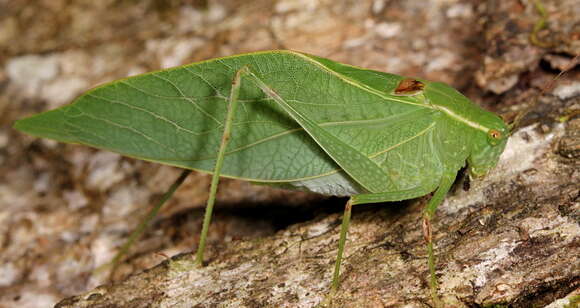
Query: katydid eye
(495, 134)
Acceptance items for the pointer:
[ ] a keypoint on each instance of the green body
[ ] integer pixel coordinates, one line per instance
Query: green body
(291, 120)
(176, 117)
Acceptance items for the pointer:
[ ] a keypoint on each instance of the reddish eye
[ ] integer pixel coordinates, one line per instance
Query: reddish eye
(495, 134)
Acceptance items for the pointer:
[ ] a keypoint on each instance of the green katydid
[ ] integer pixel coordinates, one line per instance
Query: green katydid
(292, 120)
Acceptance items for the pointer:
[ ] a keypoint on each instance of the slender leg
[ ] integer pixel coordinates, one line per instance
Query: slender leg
(428, 214)
(232, 104)
(136, 234)
(341, 242)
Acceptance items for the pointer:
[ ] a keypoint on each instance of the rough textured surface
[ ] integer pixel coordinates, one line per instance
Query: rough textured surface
(513, 238)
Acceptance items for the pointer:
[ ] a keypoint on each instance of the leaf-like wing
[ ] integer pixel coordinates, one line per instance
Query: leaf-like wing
(176, 116)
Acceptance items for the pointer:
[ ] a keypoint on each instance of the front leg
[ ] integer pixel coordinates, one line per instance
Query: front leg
(429, 212)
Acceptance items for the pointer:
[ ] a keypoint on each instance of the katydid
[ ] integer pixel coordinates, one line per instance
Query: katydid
(292, 120)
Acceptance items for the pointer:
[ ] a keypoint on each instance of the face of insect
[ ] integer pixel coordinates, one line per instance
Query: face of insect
(487, 147)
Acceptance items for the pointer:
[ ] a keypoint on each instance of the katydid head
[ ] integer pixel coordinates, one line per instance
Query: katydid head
(487, 145)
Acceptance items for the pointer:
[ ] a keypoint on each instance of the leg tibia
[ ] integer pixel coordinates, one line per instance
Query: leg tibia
(429, 212)
(232, 104)
(341, 243)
